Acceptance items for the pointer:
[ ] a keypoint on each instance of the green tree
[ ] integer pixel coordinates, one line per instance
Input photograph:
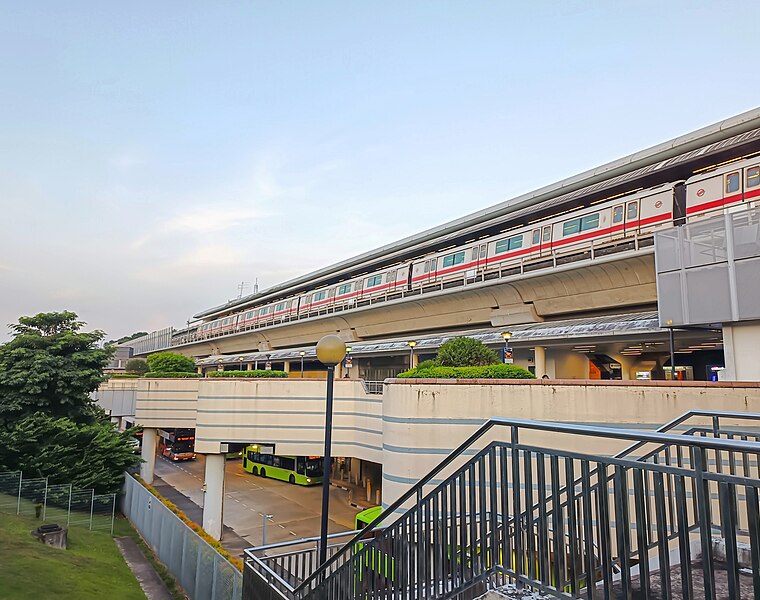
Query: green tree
(465, 352)
(170, 362)
(137, 366)
(91, 455)
(51, 366)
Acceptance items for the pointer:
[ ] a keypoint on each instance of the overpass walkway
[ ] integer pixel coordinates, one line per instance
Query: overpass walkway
(531, 510)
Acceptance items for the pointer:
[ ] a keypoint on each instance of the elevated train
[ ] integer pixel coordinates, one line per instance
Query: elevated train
(602, 225)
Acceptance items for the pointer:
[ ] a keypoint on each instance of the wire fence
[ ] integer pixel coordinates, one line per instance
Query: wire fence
(202, 572)
(56, 503)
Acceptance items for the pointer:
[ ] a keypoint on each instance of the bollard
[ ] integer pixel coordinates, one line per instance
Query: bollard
(369, 491)
(377, 497)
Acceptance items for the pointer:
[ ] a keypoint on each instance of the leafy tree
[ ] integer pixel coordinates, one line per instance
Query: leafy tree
(137, 366)
(129, 338)
(86, 455)
(51, 366)
(170, 362)
(465, 352)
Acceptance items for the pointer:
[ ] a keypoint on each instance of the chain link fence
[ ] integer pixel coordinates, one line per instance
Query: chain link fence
(56, 503)
(201, 571)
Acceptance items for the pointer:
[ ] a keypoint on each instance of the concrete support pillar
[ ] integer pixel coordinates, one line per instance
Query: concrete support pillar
(249, 367)
(199, 370)
(213, 501)
(286, 366)
(539, 357)
(741, 349)
(150, 437)
(415, 360)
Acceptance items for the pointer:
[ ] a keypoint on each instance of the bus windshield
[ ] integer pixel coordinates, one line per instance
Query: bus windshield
(314, 467)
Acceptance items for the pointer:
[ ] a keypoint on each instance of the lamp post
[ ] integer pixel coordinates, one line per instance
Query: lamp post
(302, 354)
(219, 365)
(268, 365)
(240, 361)
(507, 350)
(411, 344)
(330, 351)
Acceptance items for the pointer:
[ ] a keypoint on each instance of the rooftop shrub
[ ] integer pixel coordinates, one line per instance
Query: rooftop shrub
(465, 352)
(260, 373)
(170, 362)
(498, 371)
(172, 375)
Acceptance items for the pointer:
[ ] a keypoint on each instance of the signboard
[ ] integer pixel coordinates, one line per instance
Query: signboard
(508, 356)
(349, 362)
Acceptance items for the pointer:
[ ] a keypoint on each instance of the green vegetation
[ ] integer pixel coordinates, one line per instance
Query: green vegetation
(92, 567)
(173, 375)
(128, 338)
(487, 372)
(465, 352)
(170, 362)
(123, 376)
(49, 424)
(137, 366)
(259, 373)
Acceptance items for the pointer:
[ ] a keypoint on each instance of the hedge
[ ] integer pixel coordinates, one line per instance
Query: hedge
(172, 375)
(488, 372)
(259, 373)
(123, 376)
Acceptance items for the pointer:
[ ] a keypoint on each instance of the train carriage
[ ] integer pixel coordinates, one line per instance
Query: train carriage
(723, 188)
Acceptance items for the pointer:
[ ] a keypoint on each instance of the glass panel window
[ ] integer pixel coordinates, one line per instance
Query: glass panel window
(512, 243)
(373, 281)
(633, 210)
(453, 259)
(547, 234)
(571, 227)
(390, 276)
(732, 183)
(536, 236)
(590, 222)
(483, 249)
(433, 264)
(753, 177)
(279, 306)
(617, 214)
(474, 254)
(319, 296)
(427, 266)
(344, 289)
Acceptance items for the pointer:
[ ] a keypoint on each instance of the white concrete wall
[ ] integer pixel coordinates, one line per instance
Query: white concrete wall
(117, 397)
(742, 350)
(423, 421)
(166, 402)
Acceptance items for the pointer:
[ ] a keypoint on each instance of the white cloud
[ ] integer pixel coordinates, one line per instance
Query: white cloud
(206, 220)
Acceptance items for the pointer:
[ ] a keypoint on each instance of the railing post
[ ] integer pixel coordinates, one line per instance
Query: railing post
(113, 512)
(92, 506)
(702, 491)
(68, 512)
(44, 502)
(18, 498)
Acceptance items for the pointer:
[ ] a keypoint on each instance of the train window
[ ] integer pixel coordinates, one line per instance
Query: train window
(344, 289)
(474, 254)
(433, 264)
(453, 259)
(373, 281)
(390, 276)
(571, 227)
(633, 210)
(427, 266)
(225, 322)
(753, 177)
(547, 233)
(279, 306)
(319, 296)
(536, 236)
(589, 222)
(512, 243)
(483, 249)
(732, 183)
(617, 214)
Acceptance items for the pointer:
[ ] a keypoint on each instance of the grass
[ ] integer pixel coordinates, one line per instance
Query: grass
(92, 567)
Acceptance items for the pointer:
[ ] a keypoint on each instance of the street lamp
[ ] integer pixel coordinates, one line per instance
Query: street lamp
(507, 350)
(330, 351)
(268, 365)
(411, 353)
(219, 365)
(302, 354)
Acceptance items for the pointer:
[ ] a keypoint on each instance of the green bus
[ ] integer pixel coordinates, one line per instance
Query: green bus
(301, 470)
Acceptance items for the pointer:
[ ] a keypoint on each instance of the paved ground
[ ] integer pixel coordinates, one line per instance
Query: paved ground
(149, 580)
(294, 509)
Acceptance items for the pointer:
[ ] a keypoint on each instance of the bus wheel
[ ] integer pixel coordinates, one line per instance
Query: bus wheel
(292, 479)
(263, 472)
(255, 471)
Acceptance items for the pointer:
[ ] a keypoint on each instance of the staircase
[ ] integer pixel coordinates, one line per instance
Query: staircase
(533, 511)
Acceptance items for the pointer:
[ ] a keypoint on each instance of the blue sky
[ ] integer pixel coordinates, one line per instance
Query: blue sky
(155, 154)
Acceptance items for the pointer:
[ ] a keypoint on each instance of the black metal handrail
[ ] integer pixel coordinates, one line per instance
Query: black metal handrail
(640, 438)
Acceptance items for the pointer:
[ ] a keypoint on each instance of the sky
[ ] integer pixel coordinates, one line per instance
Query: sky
(154, 155)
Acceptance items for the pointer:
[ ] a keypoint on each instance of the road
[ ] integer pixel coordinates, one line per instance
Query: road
(294, 509)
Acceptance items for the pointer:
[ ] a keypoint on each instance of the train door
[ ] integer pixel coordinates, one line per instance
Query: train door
(631, 217)
(618, 220)
(734, 190)
(546, 240)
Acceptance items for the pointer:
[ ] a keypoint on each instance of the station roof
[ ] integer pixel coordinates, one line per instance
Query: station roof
(556, 331)
(657, 164)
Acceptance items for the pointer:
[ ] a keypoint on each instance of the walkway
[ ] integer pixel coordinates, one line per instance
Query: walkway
(146, 575)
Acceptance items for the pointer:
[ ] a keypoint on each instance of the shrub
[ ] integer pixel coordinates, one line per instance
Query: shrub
(137, 366)
(170, 362)
(123, 376)
(498, 371)
(426, 364)
(260, 373)
(172, 375)
(465, 352)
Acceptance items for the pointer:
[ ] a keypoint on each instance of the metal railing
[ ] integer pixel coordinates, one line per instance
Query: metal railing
(509, 515)
(373, 387)
(59, 503)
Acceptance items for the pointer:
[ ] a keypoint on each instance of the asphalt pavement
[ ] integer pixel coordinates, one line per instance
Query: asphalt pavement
(293, 510)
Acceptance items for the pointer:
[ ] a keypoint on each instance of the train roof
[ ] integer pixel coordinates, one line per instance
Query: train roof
(651, 166)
